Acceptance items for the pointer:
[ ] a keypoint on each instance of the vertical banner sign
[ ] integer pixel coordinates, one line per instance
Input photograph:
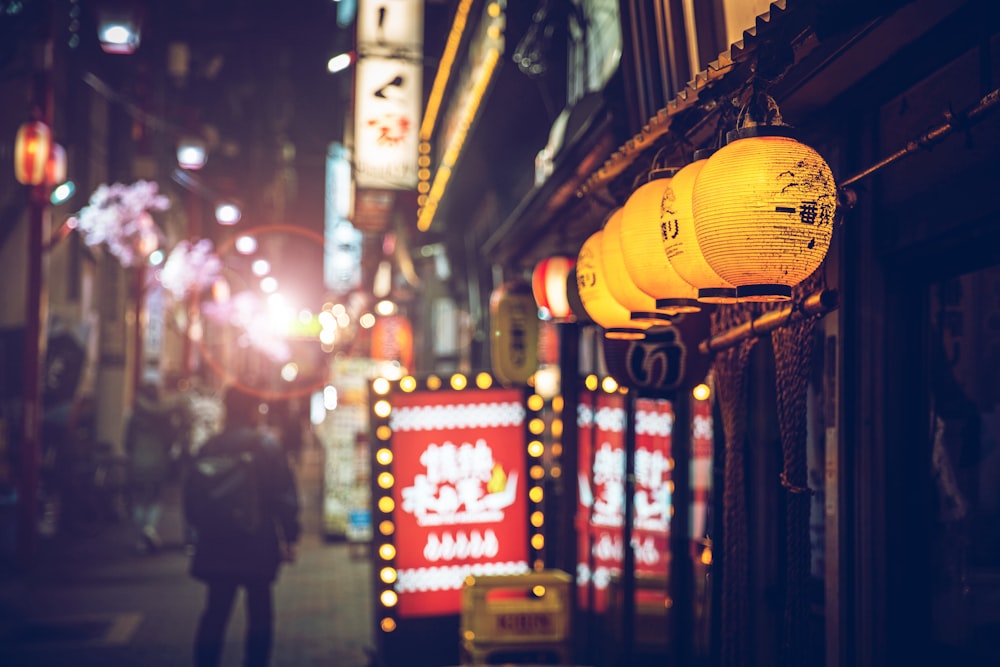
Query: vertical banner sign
(459, 462)
(600, 513)
(388, 93)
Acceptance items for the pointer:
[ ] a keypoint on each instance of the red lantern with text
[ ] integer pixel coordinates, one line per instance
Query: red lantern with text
(31, 152)
(548, 284)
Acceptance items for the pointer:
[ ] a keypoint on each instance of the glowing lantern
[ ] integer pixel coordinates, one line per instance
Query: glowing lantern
(514, 324)
(548, 284)
(592, 286)
(763, 210)
(648, 216)
(191, 153)
(55, 167)
(680, 243)
(573, 297)
(622, 284)
(119, 27)
(31, 152)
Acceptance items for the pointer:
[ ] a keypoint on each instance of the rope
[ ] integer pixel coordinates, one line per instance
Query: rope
(794, 350)
(730, 369)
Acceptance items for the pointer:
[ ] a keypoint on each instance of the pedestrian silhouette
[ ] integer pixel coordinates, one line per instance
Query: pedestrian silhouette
(240, 498)
(149, 436)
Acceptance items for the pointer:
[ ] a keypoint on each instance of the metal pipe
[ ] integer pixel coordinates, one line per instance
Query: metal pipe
(818, 303)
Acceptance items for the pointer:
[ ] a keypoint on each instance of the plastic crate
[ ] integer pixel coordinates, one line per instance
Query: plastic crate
(517, 613)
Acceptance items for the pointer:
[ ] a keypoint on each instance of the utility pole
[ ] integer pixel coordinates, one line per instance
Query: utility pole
(36, 310)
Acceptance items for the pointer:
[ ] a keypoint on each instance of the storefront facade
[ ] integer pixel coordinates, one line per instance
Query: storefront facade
(854, 496)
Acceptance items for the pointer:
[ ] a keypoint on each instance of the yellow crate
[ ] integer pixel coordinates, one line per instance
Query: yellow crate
(516, 613)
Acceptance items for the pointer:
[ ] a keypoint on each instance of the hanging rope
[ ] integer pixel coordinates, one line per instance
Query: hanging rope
(730, 368)
(794, 349)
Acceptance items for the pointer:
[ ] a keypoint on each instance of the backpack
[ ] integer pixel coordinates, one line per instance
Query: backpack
(221, 492)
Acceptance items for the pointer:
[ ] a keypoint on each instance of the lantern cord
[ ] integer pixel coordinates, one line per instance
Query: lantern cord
(818, 303)
(962, 120)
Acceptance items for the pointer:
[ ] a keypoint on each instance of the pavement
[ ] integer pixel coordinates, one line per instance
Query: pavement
(89, 601)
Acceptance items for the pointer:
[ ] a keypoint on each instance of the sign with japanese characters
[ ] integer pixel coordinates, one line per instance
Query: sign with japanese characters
(387, 117)
(459, 463)
(601, 478)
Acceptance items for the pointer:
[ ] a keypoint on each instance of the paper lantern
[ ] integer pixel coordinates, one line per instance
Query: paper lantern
(31, 152)
(621, 282)
(55, 166)
(575, 302)
(764, 206)
(680, 243)
(548, 284)
(667, 358)
(646, 218)
(601, 306)
(514, 326)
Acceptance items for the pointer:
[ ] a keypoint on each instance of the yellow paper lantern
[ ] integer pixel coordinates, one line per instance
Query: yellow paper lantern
(601, 306)
(646, 218)
(763, 210)
(31, 152)
(621, 281)
(680, 243)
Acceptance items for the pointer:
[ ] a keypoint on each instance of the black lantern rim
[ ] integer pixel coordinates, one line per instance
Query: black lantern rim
(753, 131)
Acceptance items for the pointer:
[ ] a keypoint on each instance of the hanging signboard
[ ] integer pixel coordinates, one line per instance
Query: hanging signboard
(388, 93)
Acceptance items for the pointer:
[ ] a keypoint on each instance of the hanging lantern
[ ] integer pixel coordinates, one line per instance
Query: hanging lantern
(592, 285)
(119, 27)
(191, 153)
(31, 152)
(680, 243)
(514, 326)
(667, 358)
(548, 284)
(392, 340)
(763, 210)
(55, 167)
(621, 282)
(575, 302)
(647, 218)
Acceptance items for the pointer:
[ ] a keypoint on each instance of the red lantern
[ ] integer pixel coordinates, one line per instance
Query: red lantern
(31, 152)
(548, 284)
(392, 340)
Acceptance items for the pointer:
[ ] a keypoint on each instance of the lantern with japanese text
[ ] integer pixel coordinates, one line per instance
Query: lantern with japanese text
(575, 302)
(514, 327)
(592, 286)
(621, 282)
(548, 284)
(647, 217)
(31, 152)
(764, 206)
(680, 243)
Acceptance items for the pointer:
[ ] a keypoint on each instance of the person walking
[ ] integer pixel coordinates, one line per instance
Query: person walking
(245, 526)
(149, 436)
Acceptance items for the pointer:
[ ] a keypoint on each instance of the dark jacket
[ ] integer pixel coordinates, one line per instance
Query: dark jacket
(149, 436)
(223, 552)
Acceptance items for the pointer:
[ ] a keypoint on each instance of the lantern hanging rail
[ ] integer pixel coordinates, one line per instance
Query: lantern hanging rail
(962, 120)
(817, 303)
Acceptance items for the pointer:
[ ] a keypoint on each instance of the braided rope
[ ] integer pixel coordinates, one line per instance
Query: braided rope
(794, 350)
(730, 368)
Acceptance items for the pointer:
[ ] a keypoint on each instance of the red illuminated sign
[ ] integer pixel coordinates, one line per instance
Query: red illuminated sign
(459, 461)
(600, 512)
